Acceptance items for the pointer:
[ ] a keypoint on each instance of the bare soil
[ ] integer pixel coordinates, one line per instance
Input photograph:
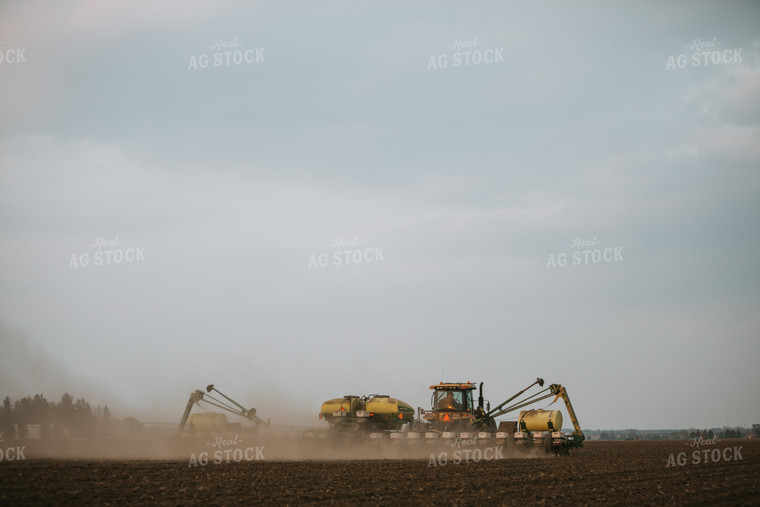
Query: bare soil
(601, 473)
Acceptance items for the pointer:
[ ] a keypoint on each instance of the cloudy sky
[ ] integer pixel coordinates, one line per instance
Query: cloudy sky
(229, 154)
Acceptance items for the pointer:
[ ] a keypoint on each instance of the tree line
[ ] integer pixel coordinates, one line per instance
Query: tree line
(67, 418)
(682, 434)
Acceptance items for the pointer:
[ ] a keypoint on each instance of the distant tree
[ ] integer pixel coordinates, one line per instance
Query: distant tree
(732, 433)
(66, 406)
(23, 410)
(64, 415)
(102, 423)
(710, 434)
(82, 408)
(82, 418)
(7, 426)
(23, 414)
(41, 411)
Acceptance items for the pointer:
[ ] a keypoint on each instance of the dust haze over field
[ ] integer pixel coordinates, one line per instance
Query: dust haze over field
(274, 444)
(26, 370)
(232, 191)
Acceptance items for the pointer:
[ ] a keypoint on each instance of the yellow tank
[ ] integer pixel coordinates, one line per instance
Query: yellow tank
(540, 420)
(209, 421)
(348, 404)
(381, 405)
(377, 408)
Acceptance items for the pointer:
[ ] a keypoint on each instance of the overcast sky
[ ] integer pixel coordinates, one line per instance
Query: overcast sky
(234, 189)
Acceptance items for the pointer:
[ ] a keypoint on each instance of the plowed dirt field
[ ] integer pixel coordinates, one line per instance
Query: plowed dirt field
(602, 473)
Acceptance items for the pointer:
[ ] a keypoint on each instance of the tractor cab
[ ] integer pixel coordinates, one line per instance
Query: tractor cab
(453, 397)
(453, 406)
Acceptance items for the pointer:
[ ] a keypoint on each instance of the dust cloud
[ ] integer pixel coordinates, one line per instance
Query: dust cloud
(50, 412)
